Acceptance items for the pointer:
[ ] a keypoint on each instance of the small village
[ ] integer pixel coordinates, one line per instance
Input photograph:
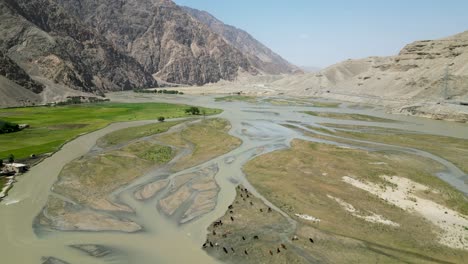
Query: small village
(8, 173)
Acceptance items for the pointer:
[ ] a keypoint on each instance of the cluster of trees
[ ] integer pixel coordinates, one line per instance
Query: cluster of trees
(193, 111)
(11, 159)
(164, 91)
(7, 127)
(81, 100)
(190, 111)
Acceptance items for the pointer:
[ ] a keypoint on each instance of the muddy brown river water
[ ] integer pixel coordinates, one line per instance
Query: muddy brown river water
(162, 240)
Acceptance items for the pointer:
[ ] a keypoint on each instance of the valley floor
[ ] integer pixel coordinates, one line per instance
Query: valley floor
(270, 179)
(278, 86)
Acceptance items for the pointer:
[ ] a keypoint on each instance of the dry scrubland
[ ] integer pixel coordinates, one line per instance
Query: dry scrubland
(356, 225)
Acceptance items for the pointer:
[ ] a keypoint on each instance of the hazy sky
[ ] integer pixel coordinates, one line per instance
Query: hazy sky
(323, 32)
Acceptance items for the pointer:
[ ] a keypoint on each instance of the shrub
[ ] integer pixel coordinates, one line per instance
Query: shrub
(192, 110)
(11, 158)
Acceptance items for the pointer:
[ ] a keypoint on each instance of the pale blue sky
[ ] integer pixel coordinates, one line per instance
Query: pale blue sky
(320, 33)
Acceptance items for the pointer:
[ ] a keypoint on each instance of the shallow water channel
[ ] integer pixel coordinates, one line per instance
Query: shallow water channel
(162, 240)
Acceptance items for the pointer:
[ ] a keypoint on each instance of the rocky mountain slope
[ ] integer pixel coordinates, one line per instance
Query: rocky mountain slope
(109, 45)
(163, 38)
(11, 71)
(258, 54)
(41, 38)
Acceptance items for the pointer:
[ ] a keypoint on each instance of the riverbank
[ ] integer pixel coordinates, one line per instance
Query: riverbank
(81, 199)
(431, 227)
(50, 127)
(271, 86)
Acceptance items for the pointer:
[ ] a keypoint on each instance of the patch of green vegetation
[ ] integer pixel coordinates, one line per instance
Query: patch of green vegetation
(233, 98)
(347, 116)
(7, 127)
(325, 104)
(156, 91)
(208, 139)
(132, 133)
(453, 149)
(153, 152)
(91, 178)
(50, 127)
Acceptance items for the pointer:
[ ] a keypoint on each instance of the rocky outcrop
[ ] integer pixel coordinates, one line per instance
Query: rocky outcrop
(45, 41)
(164, 39)
(10, 70)
(258, 54)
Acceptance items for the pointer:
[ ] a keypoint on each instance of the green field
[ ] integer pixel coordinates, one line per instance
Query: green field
(50, 127)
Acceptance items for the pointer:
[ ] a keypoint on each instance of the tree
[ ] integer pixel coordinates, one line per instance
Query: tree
(161, 119)
(11, 158)
(192, 110)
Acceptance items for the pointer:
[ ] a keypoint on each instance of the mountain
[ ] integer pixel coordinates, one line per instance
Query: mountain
(11, 71)
(419, 72)
(164, 39)
(44, 41)
(54, 47)
(425, 73)
(260, 56)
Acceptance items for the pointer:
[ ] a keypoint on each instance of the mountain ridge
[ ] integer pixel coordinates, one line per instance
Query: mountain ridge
(111, 45)
(258, 54)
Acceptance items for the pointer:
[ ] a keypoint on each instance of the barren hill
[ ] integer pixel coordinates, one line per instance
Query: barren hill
(420, 72)
(428, 77)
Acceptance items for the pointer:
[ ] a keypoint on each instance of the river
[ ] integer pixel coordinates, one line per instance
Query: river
(260, 128)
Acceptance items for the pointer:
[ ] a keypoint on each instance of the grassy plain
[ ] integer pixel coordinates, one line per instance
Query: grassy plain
(208, 139)
(132, 133)
(50, 127)
(302, 179)
(453, 149)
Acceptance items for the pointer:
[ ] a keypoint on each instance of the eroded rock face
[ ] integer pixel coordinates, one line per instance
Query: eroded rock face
(15, 73)
(109, 45)
(164, 39)
(258, 54)
(44, 40)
